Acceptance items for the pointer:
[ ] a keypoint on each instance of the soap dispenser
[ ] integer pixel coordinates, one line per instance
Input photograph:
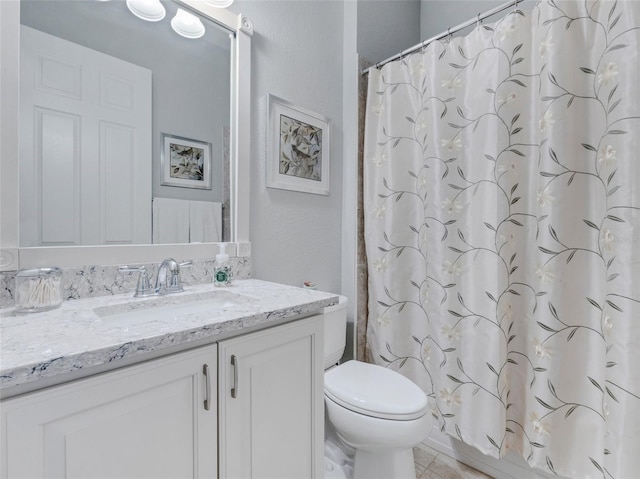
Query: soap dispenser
(221, 269)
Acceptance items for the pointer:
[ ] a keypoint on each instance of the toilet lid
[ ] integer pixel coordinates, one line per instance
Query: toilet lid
(375, 391)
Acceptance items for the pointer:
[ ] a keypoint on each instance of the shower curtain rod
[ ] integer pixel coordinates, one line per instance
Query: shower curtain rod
(446, 33)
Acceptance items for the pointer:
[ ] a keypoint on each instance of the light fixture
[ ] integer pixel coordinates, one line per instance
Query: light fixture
(149, 10)
(218, 3)
(187, 24)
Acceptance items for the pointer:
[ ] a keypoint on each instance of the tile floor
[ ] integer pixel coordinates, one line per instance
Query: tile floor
(431, 464)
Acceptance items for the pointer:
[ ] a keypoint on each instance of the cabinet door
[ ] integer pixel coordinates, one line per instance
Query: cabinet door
(271, 403)
(147, 420)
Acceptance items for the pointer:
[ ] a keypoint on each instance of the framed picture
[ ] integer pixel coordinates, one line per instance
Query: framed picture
(297, 148)
(185, 162)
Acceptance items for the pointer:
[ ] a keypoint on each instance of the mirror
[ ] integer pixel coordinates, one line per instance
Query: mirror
(92, 143)
(223, 136)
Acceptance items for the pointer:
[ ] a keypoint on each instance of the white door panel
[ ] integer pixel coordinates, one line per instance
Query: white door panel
(57, 163)
(117, 158)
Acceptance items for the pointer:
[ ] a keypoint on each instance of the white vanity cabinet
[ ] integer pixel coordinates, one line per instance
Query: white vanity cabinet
(147, 420)
(263, 416)
(270, 400)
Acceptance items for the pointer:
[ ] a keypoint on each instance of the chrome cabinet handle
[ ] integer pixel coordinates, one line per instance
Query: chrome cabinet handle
(234, 389)
(207, 391)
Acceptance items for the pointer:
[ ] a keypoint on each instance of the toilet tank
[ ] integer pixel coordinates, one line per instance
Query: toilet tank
(335, 332)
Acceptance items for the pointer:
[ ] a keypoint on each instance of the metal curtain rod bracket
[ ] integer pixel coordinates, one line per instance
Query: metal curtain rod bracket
(447, 33)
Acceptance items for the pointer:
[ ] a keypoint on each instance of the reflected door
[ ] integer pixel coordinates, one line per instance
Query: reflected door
(85, 145)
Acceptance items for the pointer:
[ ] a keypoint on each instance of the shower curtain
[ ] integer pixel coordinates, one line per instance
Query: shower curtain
(502, 230)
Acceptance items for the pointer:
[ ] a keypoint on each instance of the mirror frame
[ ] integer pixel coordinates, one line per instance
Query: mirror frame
(13, 257)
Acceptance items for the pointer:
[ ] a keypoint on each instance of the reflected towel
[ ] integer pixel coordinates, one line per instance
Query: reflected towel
(170, 220)
(205, 224)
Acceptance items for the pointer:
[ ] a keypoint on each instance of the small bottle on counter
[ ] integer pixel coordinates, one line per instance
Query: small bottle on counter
(222, 274)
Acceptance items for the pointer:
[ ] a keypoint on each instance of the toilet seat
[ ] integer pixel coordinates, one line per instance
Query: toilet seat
(375, 391)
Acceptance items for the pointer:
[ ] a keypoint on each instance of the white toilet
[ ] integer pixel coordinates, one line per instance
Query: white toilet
(377, 414)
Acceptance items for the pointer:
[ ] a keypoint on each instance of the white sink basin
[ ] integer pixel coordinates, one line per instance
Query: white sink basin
(169, 308)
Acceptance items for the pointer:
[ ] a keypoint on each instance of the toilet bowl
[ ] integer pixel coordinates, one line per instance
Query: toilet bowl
(377, 414)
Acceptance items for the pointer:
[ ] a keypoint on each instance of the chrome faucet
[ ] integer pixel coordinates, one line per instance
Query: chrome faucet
(168, 280)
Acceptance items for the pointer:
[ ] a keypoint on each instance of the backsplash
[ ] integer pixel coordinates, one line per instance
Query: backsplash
(91, 281)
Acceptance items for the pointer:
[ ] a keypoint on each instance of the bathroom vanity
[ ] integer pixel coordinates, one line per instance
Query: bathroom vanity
(211, 382)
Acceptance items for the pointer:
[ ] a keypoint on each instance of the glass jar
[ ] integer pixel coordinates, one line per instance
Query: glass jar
(38, 289)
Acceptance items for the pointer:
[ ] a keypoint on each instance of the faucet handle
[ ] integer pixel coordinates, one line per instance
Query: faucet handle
(174, 284)
(143, 288)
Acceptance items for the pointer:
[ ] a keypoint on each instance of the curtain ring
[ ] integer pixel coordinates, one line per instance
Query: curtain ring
(449, 34)
(515, 6)
(479, 21)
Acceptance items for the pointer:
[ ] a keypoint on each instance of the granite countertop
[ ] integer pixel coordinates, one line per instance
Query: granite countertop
(94, 332)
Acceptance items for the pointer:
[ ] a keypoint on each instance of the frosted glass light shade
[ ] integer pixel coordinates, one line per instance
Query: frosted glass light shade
(149, 10)
(218, 3)
(187, 24)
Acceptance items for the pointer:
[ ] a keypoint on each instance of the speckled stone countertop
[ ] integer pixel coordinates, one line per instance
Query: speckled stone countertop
(94, 332)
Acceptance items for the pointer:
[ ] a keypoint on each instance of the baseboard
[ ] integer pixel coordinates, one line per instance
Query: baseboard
(509, 467)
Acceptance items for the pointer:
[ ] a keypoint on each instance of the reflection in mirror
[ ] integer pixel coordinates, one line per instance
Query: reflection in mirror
(100, 92)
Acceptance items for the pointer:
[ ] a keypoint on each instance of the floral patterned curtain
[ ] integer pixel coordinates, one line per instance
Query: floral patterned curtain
(502, 226)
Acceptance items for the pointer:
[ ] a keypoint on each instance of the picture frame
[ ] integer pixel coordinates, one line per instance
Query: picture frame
(298, 146)
(185, 162)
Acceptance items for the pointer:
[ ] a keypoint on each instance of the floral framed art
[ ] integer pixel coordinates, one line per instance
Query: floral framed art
(298, 145)
(185, 162)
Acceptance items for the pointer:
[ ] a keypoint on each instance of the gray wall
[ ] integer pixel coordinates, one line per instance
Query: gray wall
(386, 27)
(297, 56)
(438, 15)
